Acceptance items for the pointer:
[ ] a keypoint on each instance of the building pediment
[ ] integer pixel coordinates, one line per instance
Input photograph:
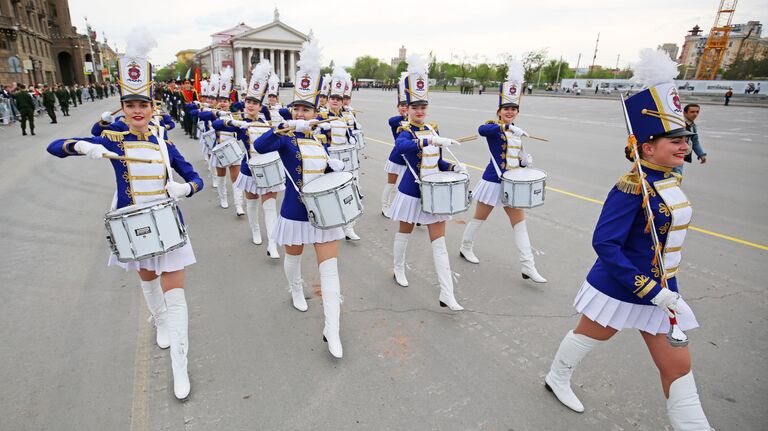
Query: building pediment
(275, 31)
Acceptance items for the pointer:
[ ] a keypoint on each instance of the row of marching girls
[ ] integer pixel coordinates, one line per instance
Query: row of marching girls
(144, 163)
(320, 198)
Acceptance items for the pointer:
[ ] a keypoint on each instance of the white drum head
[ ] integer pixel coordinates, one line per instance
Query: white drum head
(341, 148)
(328, 181)
(525, 174)
(445, 177)
(138, 207)
(263, 159)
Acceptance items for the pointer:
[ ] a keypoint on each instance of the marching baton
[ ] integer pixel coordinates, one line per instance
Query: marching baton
(537, 138)
(131, 159)
(118, 110)
(466, 138)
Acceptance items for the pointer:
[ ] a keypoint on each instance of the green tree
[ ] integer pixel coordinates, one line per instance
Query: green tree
(482, 72)
(532, 62)
(365, 67)
(328, 69)
(748, 68)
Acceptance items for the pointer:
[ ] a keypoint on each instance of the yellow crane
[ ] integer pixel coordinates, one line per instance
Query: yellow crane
(717, 42)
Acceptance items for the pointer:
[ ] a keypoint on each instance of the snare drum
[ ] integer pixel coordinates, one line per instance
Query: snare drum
(332, 200)
(359, 139)
(523, 187)
(266, 170)
(228, 152)
(145, 230)
(445, 193)
(208, 138)
(347, 154)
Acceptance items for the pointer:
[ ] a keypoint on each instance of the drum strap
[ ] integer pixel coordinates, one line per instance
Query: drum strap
(288, 174)
(164, 152)
(415, 177)
(496, 166)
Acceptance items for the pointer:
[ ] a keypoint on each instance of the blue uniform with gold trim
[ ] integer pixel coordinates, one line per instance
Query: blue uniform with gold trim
(493, 132)
(410, 145)
(115, 142)
(623, 269)
(119, 125)
(394, 124)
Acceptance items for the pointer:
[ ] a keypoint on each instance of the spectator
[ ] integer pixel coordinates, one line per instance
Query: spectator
(757, 89)
(691, 112)
(728, 95)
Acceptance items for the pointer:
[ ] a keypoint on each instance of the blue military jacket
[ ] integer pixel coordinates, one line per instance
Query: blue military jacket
(412, 143)
(624, 268)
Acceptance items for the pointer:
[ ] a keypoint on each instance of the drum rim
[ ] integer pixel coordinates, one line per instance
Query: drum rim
(464, 179)
(119, 212)
(509, 180)
(351, 178)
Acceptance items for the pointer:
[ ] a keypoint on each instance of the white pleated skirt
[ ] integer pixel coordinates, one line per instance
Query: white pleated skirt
(245, 182)
(408, 209)
(487, 192)
(172, 261)
(292, 232)
(213, 162)
(394, 168)
(608, 311)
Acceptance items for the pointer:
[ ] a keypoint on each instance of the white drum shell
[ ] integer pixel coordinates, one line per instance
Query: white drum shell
(523, 188)
(145, 230)
(228, 152)
(332, 200)
(347, 154)
(266, 170)
(359, 139)
(445, 193)
(208, 138)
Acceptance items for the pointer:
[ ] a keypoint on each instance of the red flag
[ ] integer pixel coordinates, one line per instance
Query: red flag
(197, 82)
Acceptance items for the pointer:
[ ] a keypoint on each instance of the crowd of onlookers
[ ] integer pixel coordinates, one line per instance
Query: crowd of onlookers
(22, 103)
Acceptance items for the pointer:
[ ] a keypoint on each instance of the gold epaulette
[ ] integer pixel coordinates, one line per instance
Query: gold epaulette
(629, 183)
(322, 138)
(404, 127)
(492, 122)
(113, 135)
(433, 125)
(678, 176)
(323, 114)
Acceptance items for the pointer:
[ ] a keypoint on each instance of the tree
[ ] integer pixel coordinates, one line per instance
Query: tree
(401, 67)
(482, 73)
(328, 69)
(174, 70)
(365, 67)
(748, 68)
(532, 62)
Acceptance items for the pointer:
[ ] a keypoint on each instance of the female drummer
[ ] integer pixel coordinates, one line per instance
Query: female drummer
(507, 153)
(420, 144)
(247, 133)
(162, 277)
(626, 286)
(395, 164)
(273, 105)
(204, 120)
(305, 159)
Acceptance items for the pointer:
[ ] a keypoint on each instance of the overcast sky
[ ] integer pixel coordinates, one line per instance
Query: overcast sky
(486, 28)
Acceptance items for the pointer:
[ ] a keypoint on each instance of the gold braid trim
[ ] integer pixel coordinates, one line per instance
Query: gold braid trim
(113, 135)
(406, 128)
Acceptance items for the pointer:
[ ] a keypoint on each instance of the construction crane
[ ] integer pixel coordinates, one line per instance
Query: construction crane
(717, 42)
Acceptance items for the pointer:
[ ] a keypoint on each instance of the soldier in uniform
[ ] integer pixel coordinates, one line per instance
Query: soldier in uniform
(162, 277)
(63, 95)
(72, 95)
(26, 106)
(49, 101)
(630, 285)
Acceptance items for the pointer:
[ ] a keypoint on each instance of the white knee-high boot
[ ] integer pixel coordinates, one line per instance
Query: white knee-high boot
(238, 195)
(385, 196)
(221, 189)
(153, 295)
(178, 321)
(468, 241)
(349, 231)
(253, 219)
(212, 171)
(444, 275)
(684, 407)
(331, 291)
(270, 219)
(292, 268)
(572, 350)
(399, 249)
(523, 243)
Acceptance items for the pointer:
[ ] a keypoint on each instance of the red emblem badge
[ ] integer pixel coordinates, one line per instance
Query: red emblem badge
(512, 90)
(134, 72)
(419, 84)
(305, 82)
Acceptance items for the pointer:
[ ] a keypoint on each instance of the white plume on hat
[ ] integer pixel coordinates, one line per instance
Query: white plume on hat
(515, 71)
(226, 74)
(310, 57)
(262, 70)
(654, 68)
(417, 63)
(339, 73)
(243, 84)
(140, 42)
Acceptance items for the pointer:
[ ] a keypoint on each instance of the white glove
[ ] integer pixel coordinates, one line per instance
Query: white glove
(324, 126)
(337, 123)
(239, 124)
(336, 164)
(525, 159)
(178, 190)
(300, 125)
(107, 117)
(667, 301)
(222, 113)
(460, 168)
(92, 151)
(516, 130)
(439, 141)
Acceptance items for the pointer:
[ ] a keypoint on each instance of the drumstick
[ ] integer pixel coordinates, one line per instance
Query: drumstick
(130, 159)
(538, 139)
(118, 110)
(467, 138)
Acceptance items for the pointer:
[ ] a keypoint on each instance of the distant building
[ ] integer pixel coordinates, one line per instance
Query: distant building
(400, 57)
(670, 48)
(744, 41)
(243, 46)
(186, 55)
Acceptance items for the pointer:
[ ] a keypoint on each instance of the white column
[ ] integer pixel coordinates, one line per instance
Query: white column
(238, 64)
(292, 60)
(281, 71)
(273, 59)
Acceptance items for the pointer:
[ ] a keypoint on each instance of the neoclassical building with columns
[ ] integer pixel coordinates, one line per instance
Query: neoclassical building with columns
(242, 46)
